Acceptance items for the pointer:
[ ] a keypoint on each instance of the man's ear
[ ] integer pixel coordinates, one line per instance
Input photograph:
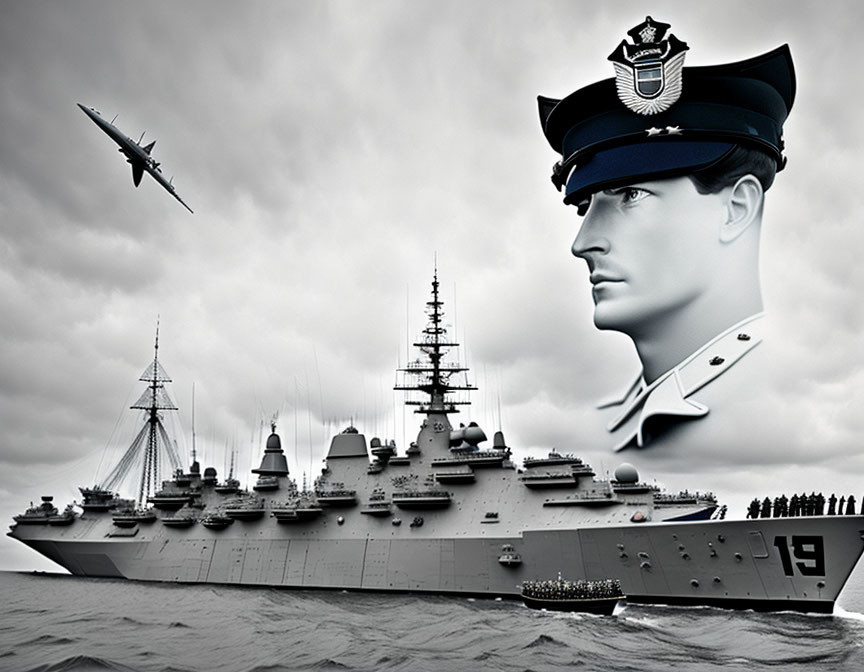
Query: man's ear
(743, 207)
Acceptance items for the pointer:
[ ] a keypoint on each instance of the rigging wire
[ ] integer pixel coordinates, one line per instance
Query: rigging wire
(110, 440)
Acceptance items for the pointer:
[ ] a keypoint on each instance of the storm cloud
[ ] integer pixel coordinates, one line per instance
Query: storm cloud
(334, 152)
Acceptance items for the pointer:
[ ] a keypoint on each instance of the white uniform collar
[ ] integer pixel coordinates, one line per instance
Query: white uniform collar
(668, 394)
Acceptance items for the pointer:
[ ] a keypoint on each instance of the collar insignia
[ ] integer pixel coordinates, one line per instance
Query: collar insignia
(648, 72)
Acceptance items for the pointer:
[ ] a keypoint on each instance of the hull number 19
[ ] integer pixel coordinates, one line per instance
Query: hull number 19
(808, 550)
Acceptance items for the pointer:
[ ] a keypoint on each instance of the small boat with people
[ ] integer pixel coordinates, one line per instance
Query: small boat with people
(592, 597)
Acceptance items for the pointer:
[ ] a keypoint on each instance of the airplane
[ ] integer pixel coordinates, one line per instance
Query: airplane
(138, 156)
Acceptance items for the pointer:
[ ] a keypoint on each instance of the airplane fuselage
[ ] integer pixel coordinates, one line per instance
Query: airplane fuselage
(136, 155)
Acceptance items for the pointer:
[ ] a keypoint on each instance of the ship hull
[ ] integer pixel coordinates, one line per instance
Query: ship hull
(798, 564)
(603, 606)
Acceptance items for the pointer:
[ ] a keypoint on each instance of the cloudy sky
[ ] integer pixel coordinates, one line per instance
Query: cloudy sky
(331, 152)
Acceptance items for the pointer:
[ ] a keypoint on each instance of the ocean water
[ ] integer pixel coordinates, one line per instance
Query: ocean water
(54, 622)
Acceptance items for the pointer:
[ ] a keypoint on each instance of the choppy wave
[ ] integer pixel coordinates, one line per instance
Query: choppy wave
(59, 623)
(840, 612)
(82, 664)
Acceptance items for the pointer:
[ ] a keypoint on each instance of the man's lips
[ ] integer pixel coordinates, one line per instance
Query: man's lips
(599, 276)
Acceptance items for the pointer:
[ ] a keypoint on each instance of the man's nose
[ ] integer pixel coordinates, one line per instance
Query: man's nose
(590, 239)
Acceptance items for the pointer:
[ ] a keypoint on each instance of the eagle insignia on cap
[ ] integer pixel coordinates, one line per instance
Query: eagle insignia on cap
(648, 72)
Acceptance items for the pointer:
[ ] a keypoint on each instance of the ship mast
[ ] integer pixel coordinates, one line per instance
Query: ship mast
(155, 399)
(432, 376)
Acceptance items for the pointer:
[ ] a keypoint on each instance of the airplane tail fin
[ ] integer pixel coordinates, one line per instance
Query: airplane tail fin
(149, 147)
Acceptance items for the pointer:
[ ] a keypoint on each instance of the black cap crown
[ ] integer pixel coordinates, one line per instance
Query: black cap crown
(657, 118)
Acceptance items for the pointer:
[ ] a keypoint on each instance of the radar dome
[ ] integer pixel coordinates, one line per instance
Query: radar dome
(626, 473)
(273, 442)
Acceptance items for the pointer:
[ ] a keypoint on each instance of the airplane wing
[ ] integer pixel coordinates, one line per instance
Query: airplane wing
(157, 175)
(137, 172)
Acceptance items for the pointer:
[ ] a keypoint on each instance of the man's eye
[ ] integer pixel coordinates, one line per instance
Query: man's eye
(631, 195)
(582, 207)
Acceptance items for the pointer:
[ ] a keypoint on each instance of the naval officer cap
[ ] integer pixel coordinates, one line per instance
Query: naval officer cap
(658, 119)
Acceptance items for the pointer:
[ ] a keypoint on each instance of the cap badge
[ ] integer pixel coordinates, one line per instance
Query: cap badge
(648, 72)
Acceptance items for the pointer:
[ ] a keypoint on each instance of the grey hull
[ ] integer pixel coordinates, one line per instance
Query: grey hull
(738, 564)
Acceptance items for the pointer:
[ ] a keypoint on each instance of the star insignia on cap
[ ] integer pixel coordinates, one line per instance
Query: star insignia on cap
(673, 130)
(653, 131)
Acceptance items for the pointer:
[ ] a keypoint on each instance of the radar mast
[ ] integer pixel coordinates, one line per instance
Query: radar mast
(432, 376)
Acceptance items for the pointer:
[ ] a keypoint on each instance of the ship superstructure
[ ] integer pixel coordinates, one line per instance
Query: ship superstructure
(448, 516)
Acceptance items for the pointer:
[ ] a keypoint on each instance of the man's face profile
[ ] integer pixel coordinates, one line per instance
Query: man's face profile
(653, 248)
(673, 262)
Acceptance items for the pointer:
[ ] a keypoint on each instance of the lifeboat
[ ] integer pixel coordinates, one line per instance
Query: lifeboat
(178, 521)
(463, 475)
(130, 518)
(186, 517)
(553, 460)
(65, 518)
(509, 557)
(245, 512)
(300, 514)
(336, 498)
(549, 479)
(215, 521)
(422, 499)
(244, 508)
(474, 458)
(170, 500)
(376, 509)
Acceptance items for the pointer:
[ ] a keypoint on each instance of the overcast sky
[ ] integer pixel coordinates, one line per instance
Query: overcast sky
(330, 151)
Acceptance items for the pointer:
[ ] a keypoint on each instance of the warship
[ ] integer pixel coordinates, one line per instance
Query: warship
(444, 516)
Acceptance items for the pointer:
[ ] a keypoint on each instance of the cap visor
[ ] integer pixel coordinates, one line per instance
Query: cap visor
(634, 163)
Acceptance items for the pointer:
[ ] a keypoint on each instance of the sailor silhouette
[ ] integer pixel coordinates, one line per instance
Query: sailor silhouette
(667, 167)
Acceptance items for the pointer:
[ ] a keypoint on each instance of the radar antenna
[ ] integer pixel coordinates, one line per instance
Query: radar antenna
(431, 374)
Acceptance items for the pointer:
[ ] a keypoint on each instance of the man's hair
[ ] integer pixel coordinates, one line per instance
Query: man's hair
(735, 164)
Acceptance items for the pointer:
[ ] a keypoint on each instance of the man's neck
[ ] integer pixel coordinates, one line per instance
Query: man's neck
(670, 342)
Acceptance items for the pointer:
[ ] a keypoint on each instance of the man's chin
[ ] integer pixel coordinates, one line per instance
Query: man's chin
(609, 318)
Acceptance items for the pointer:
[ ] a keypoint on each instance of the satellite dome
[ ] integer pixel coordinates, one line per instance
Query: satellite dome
(626, 473)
